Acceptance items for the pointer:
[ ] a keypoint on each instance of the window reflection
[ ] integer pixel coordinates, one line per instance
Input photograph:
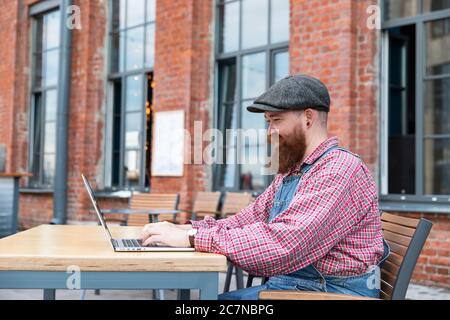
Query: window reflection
(281, 65)
(135, 13)
(400, 8)
(255, 14)
(435, 5)
(229, 22)
(438, 47)
(279, 21)
(253, 75)
(437, 166)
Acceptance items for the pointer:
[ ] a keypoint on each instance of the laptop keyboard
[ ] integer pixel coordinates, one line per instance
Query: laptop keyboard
(132, 243)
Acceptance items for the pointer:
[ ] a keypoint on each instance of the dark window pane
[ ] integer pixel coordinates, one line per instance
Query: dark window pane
(438, 47)
(402, 129)
(135, 12)
(134, 96)
(49, 169)
(151, 10)
(400, 8)
(253, 75)
(39, 41)
(228, 82)
(437, 166)
(117, 119)
(117, 52)
(255, 21)
(118, 15)
(229, 23)
(279, 24)
(435, 5)
(36, 138)
(281, 65)
(134, 48)
(38, 61)
(150, 46)
(437, 106)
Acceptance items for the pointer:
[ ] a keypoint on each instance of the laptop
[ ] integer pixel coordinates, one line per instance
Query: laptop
(124, 245)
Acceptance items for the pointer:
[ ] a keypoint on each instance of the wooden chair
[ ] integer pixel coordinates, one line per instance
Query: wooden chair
(205, 204)
(232, 204)
(406, 238)
(154, 202)
(235, 202)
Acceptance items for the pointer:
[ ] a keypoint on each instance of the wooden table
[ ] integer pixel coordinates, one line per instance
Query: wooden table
(47, 256)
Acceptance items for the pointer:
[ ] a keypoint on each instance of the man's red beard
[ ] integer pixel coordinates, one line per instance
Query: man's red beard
(289, 151)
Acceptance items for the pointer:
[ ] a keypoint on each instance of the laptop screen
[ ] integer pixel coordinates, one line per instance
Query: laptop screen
(95, 205)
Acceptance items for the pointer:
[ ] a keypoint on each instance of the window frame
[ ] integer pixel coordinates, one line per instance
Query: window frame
(270, 50)
(121, 77)
(418, 201)
(36, 12)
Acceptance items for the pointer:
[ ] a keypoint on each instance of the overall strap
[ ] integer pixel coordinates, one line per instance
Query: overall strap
(307, 167)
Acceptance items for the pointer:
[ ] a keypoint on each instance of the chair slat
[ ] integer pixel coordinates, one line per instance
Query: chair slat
(206, 202)
(397, 238)
(404, 221)
(388, 278)
(384, 296)
(390, 267)
(395, 228)
(386, 288)
(395, 259)
(152, 201)
(397, 248)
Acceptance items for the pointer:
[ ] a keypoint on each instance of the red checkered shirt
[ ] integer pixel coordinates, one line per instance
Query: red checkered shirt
(332, 222)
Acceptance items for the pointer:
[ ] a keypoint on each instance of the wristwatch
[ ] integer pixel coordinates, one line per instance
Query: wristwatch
(192, 233)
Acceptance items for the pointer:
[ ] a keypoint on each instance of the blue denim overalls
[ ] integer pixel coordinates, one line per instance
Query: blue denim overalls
(309, 278)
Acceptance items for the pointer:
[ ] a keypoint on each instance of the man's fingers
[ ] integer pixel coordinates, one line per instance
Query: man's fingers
(148, 230)
(155, 239)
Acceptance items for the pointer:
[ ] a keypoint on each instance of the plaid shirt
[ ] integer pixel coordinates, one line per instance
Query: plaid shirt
(333, 222)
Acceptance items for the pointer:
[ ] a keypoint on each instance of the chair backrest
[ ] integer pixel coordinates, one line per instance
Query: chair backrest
(234, 202)
(152, 201)
(406, 238)
(206, 204)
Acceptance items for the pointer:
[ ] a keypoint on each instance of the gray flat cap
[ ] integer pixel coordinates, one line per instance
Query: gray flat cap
(296, 92)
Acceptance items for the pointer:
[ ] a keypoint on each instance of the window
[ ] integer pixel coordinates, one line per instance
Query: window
(132, 37)
(415, 159)
(45, 71)
(252, 54)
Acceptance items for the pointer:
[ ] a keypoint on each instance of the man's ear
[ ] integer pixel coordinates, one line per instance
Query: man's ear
(309, 117)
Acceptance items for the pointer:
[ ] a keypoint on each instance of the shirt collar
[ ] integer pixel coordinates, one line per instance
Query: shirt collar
(319, 151)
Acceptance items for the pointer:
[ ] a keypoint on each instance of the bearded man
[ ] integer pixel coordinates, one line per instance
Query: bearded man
(317, 226)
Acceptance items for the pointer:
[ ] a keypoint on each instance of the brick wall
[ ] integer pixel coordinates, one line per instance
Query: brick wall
(329, 39)
(183, 77)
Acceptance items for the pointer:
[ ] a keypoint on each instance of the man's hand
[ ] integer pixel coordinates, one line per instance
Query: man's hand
(165, 234)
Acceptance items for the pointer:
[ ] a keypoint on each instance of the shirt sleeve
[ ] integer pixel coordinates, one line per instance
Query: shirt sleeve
(313, 223)
(258, 210)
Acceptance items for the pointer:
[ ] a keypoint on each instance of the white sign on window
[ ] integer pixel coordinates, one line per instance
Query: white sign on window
(168, 144)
